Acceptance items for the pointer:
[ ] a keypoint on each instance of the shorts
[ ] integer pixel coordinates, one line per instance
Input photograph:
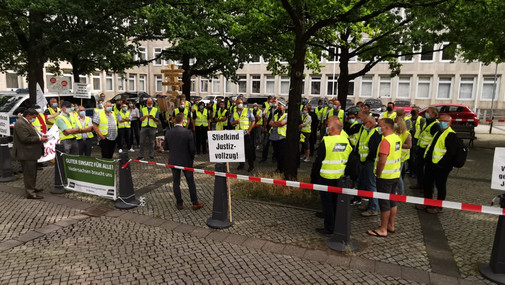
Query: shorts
(387, 186)
(306, 143)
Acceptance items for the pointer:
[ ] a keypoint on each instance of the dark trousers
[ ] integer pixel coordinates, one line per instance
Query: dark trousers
(313, 138)
(84, 147)
(201, 139)
(124, 138)
(176, 173)
(329, 203)
(437, 176)
(29, 175)
(266, 146)
(306, 144)
(135, 132)
(70, 146)
(107, 147)
(250, 153)
(411, 165)
(279, 148)
(420, 165)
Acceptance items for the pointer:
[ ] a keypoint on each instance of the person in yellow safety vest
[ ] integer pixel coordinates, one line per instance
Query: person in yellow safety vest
(366, 108)
(123, 119)
(257, 132)
(305, 129)
(105, 127)
(439, 157)
(40, 122)
(68, 129)
(267, 117)
(368, 143)
(221, 117)
(416, 124)
(85, 135)
(390, 114)
(352, 127)
(201, 119)
(243, 119)
(74, 112)
(428, 131)
(194, 107)
(182, 109)
(328, 168)
(99, 107)
(278, 128)
(336, 111)
(400, 112)
(406, 140)
(117, 107)
(388, 171)
(52, 112)
(149, 118)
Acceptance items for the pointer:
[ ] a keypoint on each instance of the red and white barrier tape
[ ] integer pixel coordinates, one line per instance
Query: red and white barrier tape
(466, 120)
(499, 121)
(348, 191)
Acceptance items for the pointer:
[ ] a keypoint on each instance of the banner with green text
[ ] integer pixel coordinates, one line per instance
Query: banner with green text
(90, 175)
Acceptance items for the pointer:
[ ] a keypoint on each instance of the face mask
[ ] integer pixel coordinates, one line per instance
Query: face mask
(100, 106)
(125, 109)
(330, 105)
(255, 108)
(426, 115)
(390, 109)
(82, 113)
(379, 130)
(240, 106)
(130, 105)
(304, 112)
(320, 105)
(32, 120)
(396, 126)
(365, 128)
(360, 122)
(273, 105)
(443, 125)
(327, 132)
(222, 106)
(108, 109)
(351, 121)
(55, 104)
(201, 107)
(181, 106)
(149, 106)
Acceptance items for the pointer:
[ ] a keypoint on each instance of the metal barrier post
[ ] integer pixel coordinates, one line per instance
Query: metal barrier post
(126, 198)
(495, 270)
(341, 237)
(59, 174)
(220, 219)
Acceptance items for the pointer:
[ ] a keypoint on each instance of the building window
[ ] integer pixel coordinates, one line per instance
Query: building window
(284, 86)
(142, 53)
(204, 85)
(466, 88)
(242, 84)
(406, 58)
(83, 79)
(366, 86)
(384, 87)
(256, 84)
(121, 82)
(488, 87)
(132, 82)
(332, 54)
(12, 80)
(157, 52)
(158, 81)
(230, 86)
(403, 87)
(315, 85)
(216, 85)
(109, 82)
(193, 85)
(97, 82)
(444, 88)
(423, 87)
(427, 56)
(269, 84)
(350, 90)
(142, 82)
(446, 55)
(255, 59)
(331, 85)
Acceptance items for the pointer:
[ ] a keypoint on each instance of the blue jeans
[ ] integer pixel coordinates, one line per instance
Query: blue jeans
(367, 182)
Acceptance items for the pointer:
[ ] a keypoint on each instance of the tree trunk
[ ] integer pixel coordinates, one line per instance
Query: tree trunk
(186, 77)
(291, 156)
(35, 56)
(343, 80)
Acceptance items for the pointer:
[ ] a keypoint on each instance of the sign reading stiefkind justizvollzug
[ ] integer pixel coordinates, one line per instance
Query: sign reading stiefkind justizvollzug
(226, 146)
(498, 177)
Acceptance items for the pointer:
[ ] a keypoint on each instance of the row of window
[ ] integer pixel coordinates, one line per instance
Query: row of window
(113, 82)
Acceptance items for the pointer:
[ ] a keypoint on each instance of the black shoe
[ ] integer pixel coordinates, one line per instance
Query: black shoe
(240, 166)
(151, 157)
(37, 190)
(324, 232)
(250, 169)
(319, 215)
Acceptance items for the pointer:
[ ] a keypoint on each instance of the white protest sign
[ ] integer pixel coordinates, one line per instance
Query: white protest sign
(53, 138)
(82, 90)
(498, 176)
(226, 146)
(58, 84)
(4, 124)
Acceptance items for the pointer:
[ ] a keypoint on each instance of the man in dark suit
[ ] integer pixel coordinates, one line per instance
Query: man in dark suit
(179, 141)
(28, 148)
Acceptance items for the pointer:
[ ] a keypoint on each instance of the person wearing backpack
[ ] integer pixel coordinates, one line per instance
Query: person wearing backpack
(439, 160)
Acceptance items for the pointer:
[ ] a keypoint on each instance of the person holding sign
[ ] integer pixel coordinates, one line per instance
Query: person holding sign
(243, 119)
(68, 129)
(27, 149)
(179, 141)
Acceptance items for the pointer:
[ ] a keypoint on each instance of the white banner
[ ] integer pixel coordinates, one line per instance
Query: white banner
(226, 146)
(498, 176)
(82, 90)
(4, 124)
(58, 84)
(41, 100)
(50, 146)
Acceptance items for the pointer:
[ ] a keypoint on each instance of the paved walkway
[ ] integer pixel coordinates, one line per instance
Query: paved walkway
(50, 241)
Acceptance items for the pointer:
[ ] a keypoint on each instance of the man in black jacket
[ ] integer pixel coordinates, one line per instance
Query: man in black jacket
(439, 158)
(179, 141)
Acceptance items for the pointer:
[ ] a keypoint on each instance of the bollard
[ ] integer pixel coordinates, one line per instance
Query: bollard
(495, 270)
(59, 174)
(340, 240)
(6, 173)
(126, 198)
(220, 219)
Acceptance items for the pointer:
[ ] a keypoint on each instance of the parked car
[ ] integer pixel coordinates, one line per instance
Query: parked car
(405, 104)
(256, 99)
(349, 103)
(315, 101)
(376, 106)
(208, 98)
(138, 97)
(460, 114)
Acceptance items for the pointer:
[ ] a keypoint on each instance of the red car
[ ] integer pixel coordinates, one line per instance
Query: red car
(460, 114)
(405, 104)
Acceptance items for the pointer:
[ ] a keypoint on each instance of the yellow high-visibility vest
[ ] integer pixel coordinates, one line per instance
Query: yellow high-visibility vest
(405, 151)
(70, 122)
(426, 137)
(80, 126)
(202, 118)
(338, 150)
(123, 125)
(440, 149)
(244, 122)
(103, 127)
(305, 129)
(220, 115)
(280, 130)
(153, 112)
(392, 168)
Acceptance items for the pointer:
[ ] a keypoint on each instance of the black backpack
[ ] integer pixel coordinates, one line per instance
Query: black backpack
(461, 154)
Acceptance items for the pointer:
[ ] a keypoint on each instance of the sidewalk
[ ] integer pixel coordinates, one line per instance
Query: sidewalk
(281, 239)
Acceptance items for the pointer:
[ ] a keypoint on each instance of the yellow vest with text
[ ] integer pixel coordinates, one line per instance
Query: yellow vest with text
(280, 130)
(153, 112)
(338, 150)
(392, 168)
(405, 151)
(123, 125)
(70, 122)
(202, 118)
(104, 123)
(440, 149)
(244, 122)
(426, 137)
(80, 126)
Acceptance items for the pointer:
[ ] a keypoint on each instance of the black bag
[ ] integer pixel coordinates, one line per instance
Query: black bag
(461, 154)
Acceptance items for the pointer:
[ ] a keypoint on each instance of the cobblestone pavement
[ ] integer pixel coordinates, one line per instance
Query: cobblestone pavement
(470, 235)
